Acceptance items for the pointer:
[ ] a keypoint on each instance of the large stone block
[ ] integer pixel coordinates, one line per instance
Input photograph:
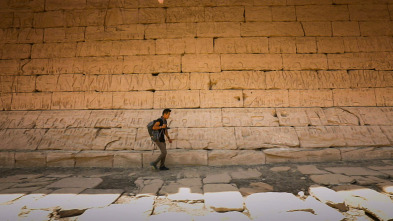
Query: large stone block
(333, 79)
(345, 28)
(200, 81)
(64, 119)
(218, 29)
(384, 96)
(52, 66)
(60, 159)
(5, 101)
(368, 44)
(301, 155)
(292, 80)
(116, 48)
(88, 139)
(72, 34)
(49, 19)
(227, 80)
(374, 60)
(241, 45)
(85, 17)
(68, 100)
(368, 12)
(17, 84)
(133, 100)
(127, 160)
(187, 45)
(7, 159)
(371, 115)
(366, 153)
(9, 66)
(58, 4)
(121, 118)
(376, 28)
(265, 98)
(30, 159)
(284, 13)
(258, 13)
(179, 157)
(388, 132)
(271, 29)
(54, 50)
(249, 117)
(19, 119)
(204, 138)
(251, 62)
(15, 51)
(104, 65)
(322, 13)
(201, 63)
(22, 35)
(185, 14)
(152, 64)
(195, 118)
(151, 15)
(354, 97)
(221, 98)
(317, 28)
(235, 157)
(266, 137)
(316, 137)
(98, 100)
(119, 32)
(121, 16)
(310, 98)
(222, 14)
(94, 159)
(304, 61)
(171, 30)
(176, 99)
(364, 136)
(330, 45)
(282, 45)
(31, 101)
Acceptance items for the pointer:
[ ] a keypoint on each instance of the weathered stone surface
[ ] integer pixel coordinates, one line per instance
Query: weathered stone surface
(221, 98)
(217, 178)
(205, 138)
(228, 80)
(195, 118)
(30, 159)
(93, 159)
(241, 45)
(251, 62)
(151, 64)
(223, 197)
(352, 171)
(331, 179)
(235, 157)
(301, 155)
(310, 169)
(310, 98)
(60, 159)
(243, 117)
(266, 98)
(176, 99)
(7, 160)
(218, 29)
(270, 29)
(76, 182)
(280, 169)
(246, 174)
(31, 101)
(21, 139)
(366, 153)
(265, 137)
(127, 160)
(148, 187)
(256, 188)
(178, 157)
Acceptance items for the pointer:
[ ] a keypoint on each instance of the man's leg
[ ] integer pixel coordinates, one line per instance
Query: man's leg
(162, 146)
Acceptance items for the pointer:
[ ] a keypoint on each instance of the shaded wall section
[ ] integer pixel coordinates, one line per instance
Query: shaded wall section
(249, 81)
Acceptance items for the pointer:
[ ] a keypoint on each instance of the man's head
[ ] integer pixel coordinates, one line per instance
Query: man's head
(166, 113)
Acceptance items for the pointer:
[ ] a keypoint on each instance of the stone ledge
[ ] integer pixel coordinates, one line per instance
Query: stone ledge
(139, 159)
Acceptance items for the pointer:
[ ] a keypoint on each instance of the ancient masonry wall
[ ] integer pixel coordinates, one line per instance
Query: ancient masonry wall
(249, 81)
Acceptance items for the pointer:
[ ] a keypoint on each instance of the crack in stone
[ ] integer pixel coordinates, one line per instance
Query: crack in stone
(357, 117)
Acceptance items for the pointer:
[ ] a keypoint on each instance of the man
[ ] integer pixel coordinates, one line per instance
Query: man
(161, 126)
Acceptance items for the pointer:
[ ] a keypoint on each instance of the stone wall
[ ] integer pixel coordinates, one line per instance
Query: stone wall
(249, 81)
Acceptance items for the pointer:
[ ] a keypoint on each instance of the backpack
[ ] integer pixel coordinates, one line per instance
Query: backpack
(154, 134)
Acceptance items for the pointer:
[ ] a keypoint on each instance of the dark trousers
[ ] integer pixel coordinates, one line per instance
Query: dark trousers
(162, 146)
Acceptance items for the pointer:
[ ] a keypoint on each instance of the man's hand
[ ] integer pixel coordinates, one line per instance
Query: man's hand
(170, 140)
(164, 126)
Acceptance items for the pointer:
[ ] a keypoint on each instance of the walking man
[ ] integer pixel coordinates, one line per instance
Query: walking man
(162, 127)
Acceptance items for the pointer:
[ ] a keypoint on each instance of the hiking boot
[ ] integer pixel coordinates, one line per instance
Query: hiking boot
(164, 168)
(153, 166)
